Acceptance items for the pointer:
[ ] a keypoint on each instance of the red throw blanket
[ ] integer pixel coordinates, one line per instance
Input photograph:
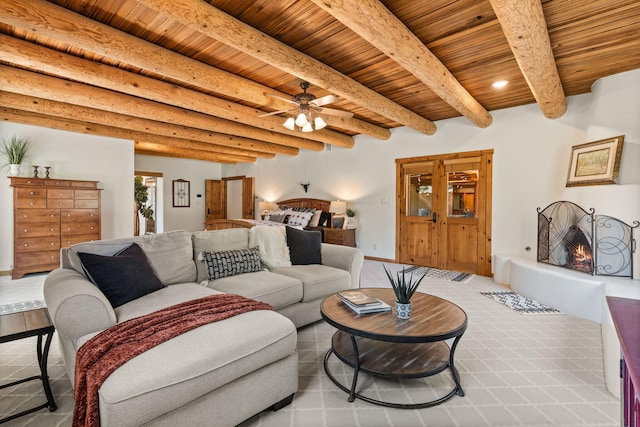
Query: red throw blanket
(111, 348)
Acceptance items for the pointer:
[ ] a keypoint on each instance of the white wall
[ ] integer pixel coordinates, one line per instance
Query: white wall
(531, 161)
(195, 171)
(73, 156)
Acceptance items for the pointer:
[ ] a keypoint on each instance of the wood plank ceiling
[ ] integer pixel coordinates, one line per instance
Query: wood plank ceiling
(193, 78)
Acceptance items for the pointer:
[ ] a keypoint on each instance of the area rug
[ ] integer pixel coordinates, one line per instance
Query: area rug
(21, 306)
(519, 303)
(434, 273)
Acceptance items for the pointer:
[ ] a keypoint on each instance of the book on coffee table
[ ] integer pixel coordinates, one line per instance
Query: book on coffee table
(370, 308)
(357, 298)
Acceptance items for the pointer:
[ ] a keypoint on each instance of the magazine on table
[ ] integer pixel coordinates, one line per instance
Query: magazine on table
(378, 307)
(358, 298)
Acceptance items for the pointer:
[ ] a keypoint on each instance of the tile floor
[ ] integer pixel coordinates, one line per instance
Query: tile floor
(516, 370)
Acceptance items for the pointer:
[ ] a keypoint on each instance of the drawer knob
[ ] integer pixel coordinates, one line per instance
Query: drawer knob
(52, 243)
(92, 228)
(26, 245)
(51, 229)
(26, 231)
(52, 257)
(31, 203)
(52, 215)
(32, 193)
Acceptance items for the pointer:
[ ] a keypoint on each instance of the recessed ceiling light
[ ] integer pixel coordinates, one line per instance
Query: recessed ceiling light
(499, 84)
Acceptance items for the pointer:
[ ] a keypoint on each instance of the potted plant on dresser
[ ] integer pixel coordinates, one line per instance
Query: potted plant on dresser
(404, 289)
(14, 149)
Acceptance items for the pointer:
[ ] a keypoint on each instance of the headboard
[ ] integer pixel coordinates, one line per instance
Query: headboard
(320, 204)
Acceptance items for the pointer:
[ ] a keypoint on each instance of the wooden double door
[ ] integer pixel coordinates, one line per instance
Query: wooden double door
(443, 214)
(224, 199)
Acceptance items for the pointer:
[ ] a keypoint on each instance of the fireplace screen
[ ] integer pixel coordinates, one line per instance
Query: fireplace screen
(571, 237)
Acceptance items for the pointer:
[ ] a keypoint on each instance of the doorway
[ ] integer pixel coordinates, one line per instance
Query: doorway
(232, 198)
(154, 183)
(443, 213)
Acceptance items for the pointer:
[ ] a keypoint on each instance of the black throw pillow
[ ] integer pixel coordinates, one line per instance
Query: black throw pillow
(122, 277)
(304, 246)
(325, 219)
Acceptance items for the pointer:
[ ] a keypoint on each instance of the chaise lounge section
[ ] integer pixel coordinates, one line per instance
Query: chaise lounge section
(228, 370)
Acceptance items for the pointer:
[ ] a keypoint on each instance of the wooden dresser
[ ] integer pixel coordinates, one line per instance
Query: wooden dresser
(340, 236)
(49, 214)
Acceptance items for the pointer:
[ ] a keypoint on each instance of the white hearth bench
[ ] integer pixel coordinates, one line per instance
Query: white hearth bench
(574, 293)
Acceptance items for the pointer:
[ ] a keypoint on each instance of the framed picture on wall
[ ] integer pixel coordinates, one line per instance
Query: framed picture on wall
(181, 193)
(595, 163)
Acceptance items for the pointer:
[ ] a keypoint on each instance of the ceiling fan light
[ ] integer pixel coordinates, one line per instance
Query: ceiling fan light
(289, 124)
(301, 120)
(307, 127)
(319, 123)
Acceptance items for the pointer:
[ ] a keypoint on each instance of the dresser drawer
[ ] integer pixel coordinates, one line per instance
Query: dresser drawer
(87, 194)
(29, 216)
(60, 203)
(56, 183)
(79, 227)
(71, 215)
(49, 260)
(37, 230)
(31, 203)
(87, 203)
(26, 181)
(35, 244)
(59, 193)
(31, 193)
(81, 238)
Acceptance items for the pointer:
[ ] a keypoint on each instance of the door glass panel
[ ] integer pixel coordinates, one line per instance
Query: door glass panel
(419, 191)
(462, 186)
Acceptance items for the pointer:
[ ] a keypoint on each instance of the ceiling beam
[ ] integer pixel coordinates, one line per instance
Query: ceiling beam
(42, 59)
(50, 20)
(153, 149)
(35, 119)
(206, 19)
(188, 137)
(28, 83)
(525, 28)
(372, 21)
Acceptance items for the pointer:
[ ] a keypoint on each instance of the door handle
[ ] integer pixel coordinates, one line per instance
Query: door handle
(434, 217)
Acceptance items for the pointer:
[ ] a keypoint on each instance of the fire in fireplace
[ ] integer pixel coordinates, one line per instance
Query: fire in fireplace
(580, 240)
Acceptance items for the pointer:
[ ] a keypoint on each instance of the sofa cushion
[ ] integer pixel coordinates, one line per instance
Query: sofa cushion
(193, 364)
(318, 281)
(215, 241)
(170, 254)
(272, 243)
(229, 263)
(274, 289)
(304, 246)
(123, 277)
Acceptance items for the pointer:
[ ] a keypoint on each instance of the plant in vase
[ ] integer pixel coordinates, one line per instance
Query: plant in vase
(14, 149)
(404, 289)
(351, 218)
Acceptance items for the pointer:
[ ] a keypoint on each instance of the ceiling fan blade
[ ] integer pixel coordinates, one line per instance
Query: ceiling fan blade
(329, 99)
(273, 95)
(272, 113)
(337, 113)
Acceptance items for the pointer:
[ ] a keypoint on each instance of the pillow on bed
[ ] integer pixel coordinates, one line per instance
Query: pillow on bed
(299, 219)
(315, 219)
(229, 263)
(123, 277)
(325, 219)
(304, 246)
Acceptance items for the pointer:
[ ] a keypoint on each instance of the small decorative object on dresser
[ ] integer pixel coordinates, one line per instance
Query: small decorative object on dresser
(404, 290)
(14, 149)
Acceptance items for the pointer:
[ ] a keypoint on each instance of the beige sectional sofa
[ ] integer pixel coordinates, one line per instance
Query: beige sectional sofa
(225, 371)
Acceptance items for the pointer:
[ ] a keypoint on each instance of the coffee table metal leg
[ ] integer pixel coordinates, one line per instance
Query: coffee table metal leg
(454, 371)
(356, 368)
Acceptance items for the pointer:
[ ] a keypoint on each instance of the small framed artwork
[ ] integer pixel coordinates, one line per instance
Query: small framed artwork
(181, 193)
(595, 163)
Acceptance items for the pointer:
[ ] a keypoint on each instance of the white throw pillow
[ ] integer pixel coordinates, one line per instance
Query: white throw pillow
(272, 243)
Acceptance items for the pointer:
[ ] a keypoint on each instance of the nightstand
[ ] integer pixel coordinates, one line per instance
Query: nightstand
(340, 236)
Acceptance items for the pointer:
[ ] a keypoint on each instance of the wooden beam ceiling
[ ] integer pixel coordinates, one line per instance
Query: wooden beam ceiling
(192, 77)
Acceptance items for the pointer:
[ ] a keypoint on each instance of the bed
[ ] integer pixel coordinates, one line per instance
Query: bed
(299, 203)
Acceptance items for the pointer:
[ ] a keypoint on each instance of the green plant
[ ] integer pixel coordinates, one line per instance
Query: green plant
(15, 148)
(351, 212)
(141, 196)
(403, 288)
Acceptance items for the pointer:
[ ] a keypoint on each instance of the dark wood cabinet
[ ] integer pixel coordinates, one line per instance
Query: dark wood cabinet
(49, 214)
(340, 236)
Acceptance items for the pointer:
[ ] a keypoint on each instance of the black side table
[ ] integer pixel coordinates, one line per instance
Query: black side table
(16, 326)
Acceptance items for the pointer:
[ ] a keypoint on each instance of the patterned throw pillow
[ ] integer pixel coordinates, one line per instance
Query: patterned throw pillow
(300, 219)
(229, 263)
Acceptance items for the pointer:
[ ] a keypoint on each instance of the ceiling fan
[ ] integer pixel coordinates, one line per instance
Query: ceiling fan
(307, 110)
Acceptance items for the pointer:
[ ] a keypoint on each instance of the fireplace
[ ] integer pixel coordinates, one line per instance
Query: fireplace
(580, 240)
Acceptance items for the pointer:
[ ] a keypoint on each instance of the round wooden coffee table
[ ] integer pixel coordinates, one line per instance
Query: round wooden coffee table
(382, 344)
